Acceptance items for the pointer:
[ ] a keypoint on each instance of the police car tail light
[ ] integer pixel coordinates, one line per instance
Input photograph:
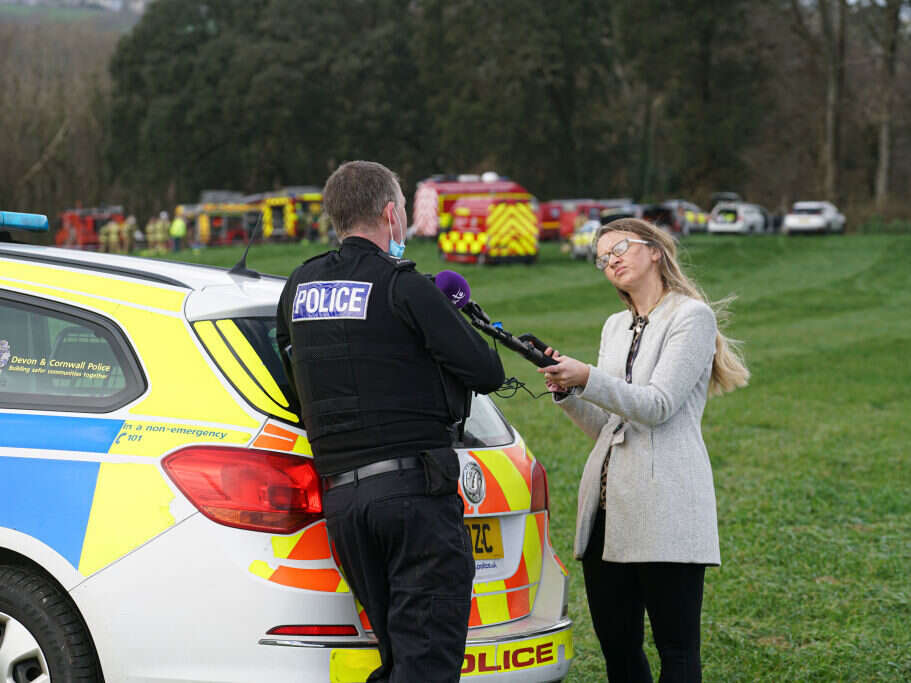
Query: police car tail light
(540, 499)
(248, 489)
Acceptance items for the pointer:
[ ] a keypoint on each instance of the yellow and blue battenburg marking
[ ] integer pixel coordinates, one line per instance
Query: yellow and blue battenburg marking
(58, 432)
(91, 512)
(31, 486)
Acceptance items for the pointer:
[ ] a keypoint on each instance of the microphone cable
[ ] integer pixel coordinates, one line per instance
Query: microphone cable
(512, 385)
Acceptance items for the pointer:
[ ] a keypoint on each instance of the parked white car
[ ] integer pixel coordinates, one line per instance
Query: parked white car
(738, 217)
(813, 217)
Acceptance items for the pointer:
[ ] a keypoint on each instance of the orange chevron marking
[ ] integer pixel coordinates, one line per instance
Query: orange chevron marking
(362, 615)
(541, 519)
(521, 461)
(276, 438)
(474, 618)
(518, 603)
(495, 500)
(275, 430)
(520, 578)
(326, 580)
(273, 443)
(313, 545)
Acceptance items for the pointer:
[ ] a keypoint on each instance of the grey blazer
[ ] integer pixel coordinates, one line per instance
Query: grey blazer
(660, 495)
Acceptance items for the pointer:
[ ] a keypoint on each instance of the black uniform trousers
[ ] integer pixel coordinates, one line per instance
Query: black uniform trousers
(407, 557)
(619, 595)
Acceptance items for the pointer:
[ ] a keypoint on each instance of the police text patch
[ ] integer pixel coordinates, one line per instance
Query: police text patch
(333, 300)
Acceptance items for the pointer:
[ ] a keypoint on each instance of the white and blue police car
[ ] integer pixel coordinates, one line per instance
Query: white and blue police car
(160, 516)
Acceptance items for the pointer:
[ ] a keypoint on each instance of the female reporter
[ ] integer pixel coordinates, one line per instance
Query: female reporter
(646, 525)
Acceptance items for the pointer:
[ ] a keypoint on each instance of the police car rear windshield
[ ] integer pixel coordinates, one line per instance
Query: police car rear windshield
(260, 332)
(486, 427)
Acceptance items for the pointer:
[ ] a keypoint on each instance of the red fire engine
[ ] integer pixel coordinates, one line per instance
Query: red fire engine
(551, 215)
(79, 227)
(435, 196)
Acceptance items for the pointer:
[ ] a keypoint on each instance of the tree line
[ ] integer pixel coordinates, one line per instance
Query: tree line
(777, 99)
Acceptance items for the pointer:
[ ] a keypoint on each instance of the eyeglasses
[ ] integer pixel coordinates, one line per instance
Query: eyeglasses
(619, 249)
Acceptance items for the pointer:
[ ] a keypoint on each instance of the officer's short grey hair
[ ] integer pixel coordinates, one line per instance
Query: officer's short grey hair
(356, 194)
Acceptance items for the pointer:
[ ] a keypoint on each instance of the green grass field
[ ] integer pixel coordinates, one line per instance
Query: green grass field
(811, 460)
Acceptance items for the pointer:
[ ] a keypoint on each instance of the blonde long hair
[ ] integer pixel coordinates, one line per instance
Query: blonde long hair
(729, 371)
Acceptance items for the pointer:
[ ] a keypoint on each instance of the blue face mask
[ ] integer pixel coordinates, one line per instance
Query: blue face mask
(396, 249)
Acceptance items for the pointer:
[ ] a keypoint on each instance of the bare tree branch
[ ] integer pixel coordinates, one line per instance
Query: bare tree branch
(46, 156)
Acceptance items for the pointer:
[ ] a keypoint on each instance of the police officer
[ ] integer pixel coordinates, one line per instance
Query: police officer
(384, 365)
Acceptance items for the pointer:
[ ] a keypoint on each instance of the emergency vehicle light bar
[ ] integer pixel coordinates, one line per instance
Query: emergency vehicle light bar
(24, 221)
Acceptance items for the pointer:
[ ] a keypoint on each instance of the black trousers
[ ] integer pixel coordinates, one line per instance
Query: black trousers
(407, 557)
(619, 594)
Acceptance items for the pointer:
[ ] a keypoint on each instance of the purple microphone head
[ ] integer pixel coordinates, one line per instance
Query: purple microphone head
(453, 286)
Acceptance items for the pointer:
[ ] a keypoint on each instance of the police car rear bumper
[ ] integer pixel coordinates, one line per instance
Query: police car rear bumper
(539, 655)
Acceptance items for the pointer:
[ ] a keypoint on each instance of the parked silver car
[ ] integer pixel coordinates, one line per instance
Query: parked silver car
(739, 217)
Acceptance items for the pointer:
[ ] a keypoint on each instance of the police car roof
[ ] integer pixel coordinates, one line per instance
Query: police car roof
(215, 292)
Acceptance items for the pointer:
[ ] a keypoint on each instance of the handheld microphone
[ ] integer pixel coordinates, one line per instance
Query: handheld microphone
(458, 291)
(456, 288)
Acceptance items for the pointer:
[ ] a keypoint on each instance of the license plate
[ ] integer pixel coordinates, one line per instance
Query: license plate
(486, 539)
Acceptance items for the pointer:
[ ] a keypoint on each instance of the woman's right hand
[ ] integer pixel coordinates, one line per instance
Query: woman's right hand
(567, 372)
(555, 388)
(552, 386)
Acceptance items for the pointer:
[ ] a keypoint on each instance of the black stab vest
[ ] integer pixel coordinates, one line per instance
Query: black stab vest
(368, 388)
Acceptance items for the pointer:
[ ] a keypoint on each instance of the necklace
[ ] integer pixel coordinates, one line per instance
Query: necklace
(640, 321)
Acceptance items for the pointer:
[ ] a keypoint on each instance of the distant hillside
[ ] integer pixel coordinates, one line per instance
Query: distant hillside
(134, 6)
(106, 19)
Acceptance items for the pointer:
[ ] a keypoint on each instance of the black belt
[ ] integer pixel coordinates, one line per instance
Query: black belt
(371, 470)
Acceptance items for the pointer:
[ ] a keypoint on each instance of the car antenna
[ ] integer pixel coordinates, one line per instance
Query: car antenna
(240, 268)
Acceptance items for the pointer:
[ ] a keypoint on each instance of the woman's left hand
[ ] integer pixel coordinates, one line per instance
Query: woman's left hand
(568, 372)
